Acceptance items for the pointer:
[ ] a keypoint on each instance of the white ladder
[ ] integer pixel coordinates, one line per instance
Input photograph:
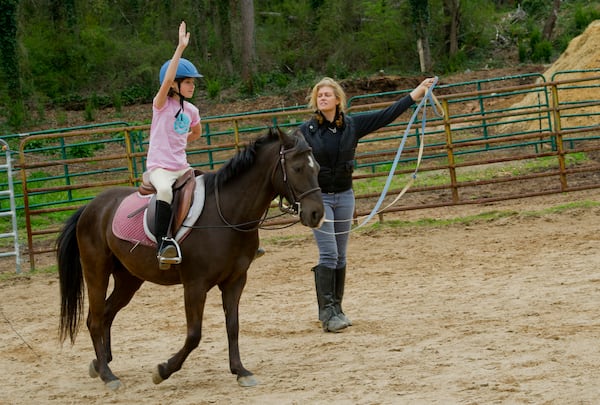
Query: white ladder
(10, 191)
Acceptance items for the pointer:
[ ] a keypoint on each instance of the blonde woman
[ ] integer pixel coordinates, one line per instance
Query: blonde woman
(333, 136)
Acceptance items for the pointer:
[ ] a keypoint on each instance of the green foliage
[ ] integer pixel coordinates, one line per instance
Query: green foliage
(87, 55)
(117, 102)
(523, 52)
(9, 65)
(213, 88)
(542, 51)
(535, 48)
(90, 108)
(455, 62)
(536, 8)
(584, 15)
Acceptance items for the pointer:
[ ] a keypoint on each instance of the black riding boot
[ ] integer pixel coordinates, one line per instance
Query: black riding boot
(340, 281)
(168, 252)
(325, 285)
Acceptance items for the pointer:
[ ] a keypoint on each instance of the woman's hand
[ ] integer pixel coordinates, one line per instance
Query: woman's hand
(418, 93)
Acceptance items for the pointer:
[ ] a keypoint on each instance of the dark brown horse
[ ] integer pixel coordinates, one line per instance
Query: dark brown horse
(218, 251)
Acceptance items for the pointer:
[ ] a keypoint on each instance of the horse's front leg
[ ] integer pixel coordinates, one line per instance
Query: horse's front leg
(231, 293)
(194, 299)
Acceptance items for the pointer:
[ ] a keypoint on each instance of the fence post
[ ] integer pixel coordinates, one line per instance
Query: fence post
(450, 151)
(558, 136)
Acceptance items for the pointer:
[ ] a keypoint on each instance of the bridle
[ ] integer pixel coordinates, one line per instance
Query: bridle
(295, 207)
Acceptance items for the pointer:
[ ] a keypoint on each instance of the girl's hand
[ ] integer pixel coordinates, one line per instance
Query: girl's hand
(184, 37)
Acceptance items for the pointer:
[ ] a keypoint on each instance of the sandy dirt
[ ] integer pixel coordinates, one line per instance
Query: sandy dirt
(476, 312)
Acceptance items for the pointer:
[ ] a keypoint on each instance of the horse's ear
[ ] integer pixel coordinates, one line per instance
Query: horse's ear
(287, 140)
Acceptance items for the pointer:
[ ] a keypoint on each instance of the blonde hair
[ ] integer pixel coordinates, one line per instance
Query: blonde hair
(337, 90)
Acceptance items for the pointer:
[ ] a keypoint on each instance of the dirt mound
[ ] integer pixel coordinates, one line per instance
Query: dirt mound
(582, 54)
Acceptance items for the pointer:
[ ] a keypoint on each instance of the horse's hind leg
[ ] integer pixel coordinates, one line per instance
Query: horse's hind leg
(125, 287)
(97, 285)
(194, 299)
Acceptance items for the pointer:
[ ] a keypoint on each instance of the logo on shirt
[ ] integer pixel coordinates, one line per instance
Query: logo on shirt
(182, 124)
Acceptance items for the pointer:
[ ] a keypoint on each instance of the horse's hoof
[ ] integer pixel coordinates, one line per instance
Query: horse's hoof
(156, 378)
(113, 385)
(92, 369)
(247, 381)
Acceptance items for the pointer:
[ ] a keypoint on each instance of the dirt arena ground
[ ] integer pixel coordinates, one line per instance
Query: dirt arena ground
(479, 311)
(469, 312)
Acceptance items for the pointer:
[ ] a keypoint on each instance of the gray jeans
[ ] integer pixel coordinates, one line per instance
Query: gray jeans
(332, 237)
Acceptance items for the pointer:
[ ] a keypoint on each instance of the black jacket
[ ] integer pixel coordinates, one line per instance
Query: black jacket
(334, 148)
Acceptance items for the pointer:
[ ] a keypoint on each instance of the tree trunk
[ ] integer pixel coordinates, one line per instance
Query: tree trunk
(452, 13)
(248, 48)
(551, 21)
(424, 54)
(420, 15)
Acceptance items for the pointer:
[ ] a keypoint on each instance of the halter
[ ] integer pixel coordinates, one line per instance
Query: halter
(295, 207)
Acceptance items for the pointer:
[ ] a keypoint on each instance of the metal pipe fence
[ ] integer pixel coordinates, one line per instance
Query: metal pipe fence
(499, 139)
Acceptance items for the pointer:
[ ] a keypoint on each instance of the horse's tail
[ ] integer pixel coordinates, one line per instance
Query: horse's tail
(71, 278)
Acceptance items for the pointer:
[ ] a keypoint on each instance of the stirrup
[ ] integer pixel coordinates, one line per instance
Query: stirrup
(260, 252)
(169, 253)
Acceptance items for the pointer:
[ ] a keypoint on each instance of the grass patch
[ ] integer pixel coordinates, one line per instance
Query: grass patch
(464, 174)
(478, 218)
(489, 216)
(26, 274)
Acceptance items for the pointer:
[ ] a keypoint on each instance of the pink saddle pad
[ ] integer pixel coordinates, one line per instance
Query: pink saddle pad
(128, 223)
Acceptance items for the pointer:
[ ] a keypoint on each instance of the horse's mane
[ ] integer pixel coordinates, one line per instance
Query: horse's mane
(239, 163)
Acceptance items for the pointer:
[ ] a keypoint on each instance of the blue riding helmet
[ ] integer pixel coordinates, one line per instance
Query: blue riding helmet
(184, 69)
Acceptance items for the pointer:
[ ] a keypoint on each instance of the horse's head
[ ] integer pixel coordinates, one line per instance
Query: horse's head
(296, 178)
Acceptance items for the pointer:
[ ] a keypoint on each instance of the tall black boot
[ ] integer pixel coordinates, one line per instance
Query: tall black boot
(168, 252)
(325, 284)
(340, 282)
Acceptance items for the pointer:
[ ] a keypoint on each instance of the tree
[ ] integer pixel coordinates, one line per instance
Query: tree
(420, 16)
(551, 21)
(10, 60)
(248, 44)
(452, 14)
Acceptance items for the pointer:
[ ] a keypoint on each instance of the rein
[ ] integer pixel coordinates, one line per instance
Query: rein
(429, 96)
(258, 222)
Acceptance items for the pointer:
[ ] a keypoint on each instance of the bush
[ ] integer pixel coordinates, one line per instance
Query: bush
(584, 16)
(213, 88)
(542, 52)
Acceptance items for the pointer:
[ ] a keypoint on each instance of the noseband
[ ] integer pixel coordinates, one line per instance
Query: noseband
(295, 208)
